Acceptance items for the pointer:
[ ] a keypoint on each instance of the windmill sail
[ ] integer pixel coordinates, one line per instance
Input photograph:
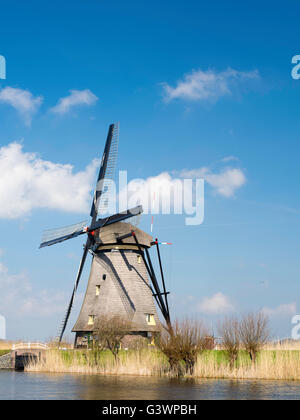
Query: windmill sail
(68, 313)
(106, 172)
(54, 236)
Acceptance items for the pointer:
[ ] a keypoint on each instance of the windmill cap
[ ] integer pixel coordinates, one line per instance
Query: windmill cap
(108, 235)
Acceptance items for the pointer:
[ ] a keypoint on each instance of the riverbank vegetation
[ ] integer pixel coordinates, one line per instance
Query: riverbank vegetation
(243, 353)
(6, 345)
(270, 364)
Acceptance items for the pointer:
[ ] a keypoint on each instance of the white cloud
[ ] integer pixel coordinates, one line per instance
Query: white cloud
(284, 309)
(28, 182)
(22, 100)
(153, 192)
(33, 183)
(225, 182)
(18, 299)
(216, 304)
(76, 97)
(202, 85)
(164, 193)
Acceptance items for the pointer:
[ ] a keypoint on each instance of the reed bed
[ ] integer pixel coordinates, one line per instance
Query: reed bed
(136, 362)
(277, 365)
(271, 364)
(6, 345)
(283, 345)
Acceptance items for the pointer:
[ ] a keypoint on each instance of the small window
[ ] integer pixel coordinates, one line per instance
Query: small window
(139, 259)
(98, 289)
(150, 319)
(104, 277)
(91, 320)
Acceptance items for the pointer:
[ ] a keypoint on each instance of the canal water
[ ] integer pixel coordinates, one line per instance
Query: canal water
(42, 386)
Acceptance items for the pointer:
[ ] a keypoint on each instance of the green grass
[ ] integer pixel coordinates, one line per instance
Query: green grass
(96, 357)
(3, 352)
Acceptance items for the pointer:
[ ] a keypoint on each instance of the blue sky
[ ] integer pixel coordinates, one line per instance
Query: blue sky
(192, 84)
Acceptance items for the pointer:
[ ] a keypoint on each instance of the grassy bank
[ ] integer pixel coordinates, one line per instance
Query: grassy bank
(271, 364)
(3, 352)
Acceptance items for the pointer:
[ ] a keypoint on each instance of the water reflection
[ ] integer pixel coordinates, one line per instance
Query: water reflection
(22, 385)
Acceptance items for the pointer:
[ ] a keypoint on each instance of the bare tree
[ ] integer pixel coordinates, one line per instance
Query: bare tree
(192, 340)
(183, 343)
(168, 343)
(110, 331)
(229, 330)
(254, 333)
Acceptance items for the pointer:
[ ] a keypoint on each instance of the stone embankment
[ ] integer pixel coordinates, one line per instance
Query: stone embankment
(5, 361)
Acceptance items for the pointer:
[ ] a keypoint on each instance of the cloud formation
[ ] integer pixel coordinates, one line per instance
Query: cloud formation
(216, 304)
(285, 309)
(75, 98)
(210, 85)
(23, 306)
(225, 182)
(28, 182)
(34, 183)
(22, 101)
(17, 293)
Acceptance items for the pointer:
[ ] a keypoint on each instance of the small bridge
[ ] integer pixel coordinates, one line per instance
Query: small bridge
(24, 353)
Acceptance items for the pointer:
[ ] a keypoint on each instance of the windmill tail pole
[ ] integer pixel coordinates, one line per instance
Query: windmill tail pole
(162, 278)
(169, 324)
(162, 303)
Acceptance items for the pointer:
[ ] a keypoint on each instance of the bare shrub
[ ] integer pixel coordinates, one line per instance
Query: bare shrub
(192, 340)
(109, 332)
(229, 330)
(254, 333)
(183, 343)
(168, 343)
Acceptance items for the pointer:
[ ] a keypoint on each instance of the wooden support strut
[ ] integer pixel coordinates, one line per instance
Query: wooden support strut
(128, 235)
(151, 273)
(162, 276)
(159, 293)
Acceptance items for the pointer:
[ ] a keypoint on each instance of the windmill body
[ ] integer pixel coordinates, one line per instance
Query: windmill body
(121, 265)
(118, 284)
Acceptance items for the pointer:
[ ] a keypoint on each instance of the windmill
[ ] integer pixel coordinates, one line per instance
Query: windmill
(121, 264)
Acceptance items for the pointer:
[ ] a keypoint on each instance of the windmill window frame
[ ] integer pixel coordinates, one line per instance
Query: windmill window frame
(150, 319)
(98, 287)
(91, 320)
(139, 259)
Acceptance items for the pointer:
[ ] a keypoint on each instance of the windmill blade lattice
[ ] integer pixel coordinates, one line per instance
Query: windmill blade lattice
(106, 173)
(53, 236)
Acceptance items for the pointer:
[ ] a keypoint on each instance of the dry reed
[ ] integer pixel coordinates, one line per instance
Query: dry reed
(277, 364)
(6, 345)
(143, 362)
